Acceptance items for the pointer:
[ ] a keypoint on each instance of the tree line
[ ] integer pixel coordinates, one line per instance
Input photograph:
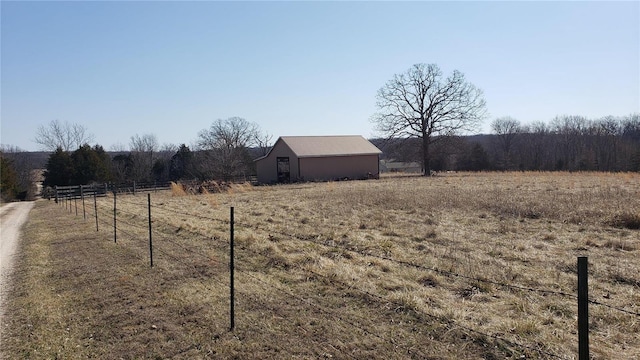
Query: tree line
(223, 152)
(566, 143)
(17, 174)
(11, 187)
(569, 142)
(423, 114)
(227, 149)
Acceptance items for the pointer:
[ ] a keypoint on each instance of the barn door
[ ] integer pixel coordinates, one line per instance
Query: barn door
(284, 174)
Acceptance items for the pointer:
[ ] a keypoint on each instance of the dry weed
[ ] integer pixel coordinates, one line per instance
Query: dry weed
(177, 190)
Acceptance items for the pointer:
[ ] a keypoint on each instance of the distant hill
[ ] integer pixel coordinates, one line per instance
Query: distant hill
(35, 159)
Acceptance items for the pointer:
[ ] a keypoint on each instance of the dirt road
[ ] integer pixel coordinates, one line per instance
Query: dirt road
(12, 217)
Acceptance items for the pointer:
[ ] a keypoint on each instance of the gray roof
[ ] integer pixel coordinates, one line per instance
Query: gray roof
(321, 146)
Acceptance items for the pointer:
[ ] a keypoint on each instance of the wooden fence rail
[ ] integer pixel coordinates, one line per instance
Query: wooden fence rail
(79, 191)
(99, 190)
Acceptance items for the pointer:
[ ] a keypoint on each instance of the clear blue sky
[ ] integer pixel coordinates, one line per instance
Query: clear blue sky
(301, 68)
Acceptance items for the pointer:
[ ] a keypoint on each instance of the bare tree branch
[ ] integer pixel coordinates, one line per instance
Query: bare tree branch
(226, 144)
(143, 151)
(506, 129)
(62, 135)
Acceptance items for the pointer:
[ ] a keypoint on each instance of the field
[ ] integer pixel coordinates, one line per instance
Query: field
(457, 266)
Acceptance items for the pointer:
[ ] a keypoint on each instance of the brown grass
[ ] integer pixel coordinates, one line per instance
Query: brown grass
(324, 271)
(177, 190)
(626, 220)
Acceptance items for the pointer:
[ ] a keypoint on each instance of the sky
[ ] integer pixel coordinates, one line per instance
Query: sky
(300, 68)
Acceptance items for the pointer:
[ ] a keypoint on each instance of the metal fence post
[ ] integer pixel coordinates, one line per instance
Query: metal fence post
(150, 238)
(115, 236)
(84, 213)
(231, 270)
(95, 208)
(583, 309)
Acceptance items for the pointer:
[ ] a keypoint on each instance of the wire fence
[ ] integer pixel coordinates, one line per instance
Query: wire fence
(180, 246)
(413, 265)
(133, 187)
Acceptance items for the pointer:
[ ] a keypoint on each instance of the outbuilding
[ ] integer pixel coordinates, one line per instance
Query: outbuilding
(319, 158)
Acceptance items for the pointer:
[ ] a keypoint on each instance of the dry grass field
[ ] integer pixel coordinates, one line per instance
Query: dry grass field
(458, 266)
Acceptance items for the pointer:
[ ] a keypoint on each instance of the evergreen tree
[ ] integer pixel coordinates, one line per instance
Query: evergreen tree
(160, 170)
(90, 165)
(84, 165)
(103, 171)
(9, 187)
(60, 169)
(181, 164)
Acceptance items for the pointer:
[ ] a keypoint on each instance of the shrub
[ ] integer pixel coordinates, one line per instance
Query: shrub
(627, 220)
(177, 189)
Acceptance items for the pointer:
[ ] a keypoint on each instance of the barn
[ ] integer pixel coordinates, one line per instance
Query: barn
(319, 158)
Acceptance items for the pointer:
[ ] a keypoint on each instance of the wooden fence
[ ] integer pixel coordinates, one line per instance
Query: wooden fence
(80, 191)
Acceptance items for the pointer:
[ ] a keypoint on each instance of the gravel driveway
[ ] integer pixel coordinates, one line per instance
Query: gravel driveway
(12, 217)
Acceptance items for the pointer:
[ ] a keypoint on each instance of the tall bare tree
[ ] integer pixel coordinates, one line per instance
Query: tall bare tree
(143, 151)
(506, 128)
(422, 103)
(147, 143)
(572, 130)
(263, 142)
(535, 149)
(162, 161)
(65, 135)
(226, 144)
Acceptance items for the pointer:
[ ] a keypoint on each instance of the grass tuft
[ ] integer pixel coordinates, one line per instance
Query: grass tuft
(177, 190)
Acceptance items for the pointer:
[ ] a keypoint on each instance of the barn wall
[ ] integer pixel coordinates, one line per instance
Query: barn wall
(337, 167)
(267, 167)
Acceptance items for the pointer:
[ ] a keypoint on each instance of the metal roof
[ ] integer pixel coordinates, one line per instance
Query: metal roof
(321, 146)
